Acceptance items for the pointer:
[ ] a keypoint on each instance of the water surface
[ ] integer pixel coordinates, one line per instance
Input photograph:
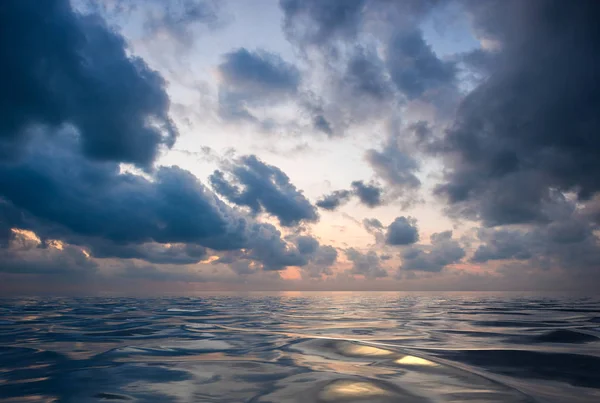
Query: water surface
(302, 347)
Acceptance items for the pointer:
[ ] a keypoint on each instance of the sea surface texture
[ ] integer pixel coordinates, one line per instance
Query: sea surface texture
(302, 347)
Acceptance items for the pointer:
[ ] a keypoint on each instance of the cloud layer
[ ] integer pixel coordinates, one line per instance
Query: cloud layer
(493, 135)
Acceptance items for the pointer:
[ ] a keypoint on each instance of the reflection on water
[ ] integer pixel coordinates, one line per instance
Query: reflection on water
(344, 389)
(355, 349)
(412, 360)
(338, 347)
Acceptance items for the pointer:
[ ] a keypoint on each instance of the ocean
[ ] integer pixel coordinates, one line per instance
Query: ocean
(302, 347)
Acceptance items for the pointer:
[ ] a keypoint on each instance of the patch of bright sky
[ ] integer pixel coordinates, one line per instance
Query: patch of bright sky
(448, 30)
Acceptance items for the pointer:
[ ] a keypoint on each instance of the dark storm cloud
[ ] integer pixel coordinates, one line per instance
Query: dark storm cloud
(479, 61)
(10, 217)
(93, 199)
(253, 78)
(567, 242)
(63, 68)
(402, 231)
(369, 194)
(91, 204)
(263, 187)
(530, 129)
(334, 200)
(149, 252)
(442, 252)
(414, 67)
(366, 264)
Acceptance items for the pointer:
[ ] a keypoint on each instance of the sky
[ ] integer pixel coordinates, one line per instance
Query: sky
(151, 146)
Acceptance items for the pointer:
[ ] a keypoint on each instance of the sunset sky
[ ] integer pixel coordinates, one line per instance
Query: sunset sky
(152, 146)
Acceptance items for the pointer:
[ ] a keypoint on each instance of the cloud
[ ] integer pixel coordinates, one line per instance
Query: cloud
(64, 68)
(365, 75)
(374, 227)
(402, 231)
(26, 254)
(396, 164)
(317, 22)
(307, 245)
(501, 244)
(263, 187)
(250, 78)
(150, 252)
(414, 67)
(347, 75)
(365, 264)
(369, 55)
(61, 194)
(356, 89)
(319, 257)
(259, 71)
(568, 242)
(321, 124)
(334, 200)
(528, 130)
(442, 252)
(179, 20)
(372, 224)
(369, 194)
(83, 106)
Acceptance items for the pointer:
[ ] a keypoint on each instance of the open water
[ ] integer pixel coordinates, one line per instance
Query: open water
(302, 347)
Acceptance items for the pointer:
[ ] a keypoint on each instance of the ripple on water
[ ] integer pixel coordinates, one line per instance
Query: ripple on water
(308, 349)
(347, 390)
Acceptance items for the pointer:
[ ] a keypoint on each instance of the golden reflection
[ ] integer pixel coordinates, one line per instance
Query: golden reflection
(412, 360)
(347, 389)
(360, 350)
(339, 366)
